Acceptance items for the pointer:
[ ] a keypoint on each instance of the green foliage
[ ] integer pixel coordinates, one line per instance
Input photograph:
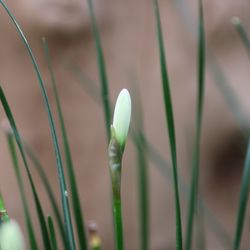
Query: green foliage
(69, 163)
(63, 188)
(170, 123)
(117, 137)
(40, 213)
(196, 148)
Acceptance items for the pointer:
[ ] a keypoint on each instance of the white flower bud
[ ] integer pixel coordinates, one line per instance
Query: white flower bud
(121, 119)
(11, 237)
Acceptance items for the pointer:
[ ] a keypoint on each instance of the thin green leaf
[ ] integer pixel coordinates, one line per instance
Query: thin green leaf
(242, 33)
(230, 97)
(143, 190)
(40, 169)
(200, 230)
(52, 233)
(29, 226)
(42, 222)
(75, 200)
(142, 171)
(84, 80)
(196, 149)
(164, 167)
(170, 123)
(63, 188)
(244, 191)
(220, 79)
(102, 71)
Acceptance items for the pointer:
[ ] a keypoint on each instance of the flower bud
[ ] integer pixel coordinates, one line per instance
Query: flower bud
(121, 119)
(11, 237)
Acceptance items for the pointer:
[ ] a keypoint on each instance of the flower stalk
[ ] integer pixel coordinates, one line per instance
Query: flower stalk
(119, 132)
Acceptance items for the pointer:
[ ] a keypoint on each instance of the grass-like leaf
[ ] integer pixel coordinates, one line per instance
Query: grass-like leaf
(165, 169)
(142, 171)
(40, 214)
(170, 123)
(242, 33)
(75, 200)
(220, 79)
(63, 188)
(102, 71)
(52, 233)
(232, 100)
(196, 149)
(40, 169)
(90, 86)
(143, 190)
(244, 191)
(28, 221)
(200, 230)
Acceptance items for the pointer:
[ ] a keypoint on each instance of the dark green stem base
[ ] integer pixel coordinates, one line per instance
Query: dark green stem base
(117, 213)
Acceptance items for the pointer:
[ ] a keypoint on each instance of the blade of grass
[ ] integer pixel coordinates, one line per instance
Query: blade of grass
(242, 33)
(244, 191)
(143, 191)
(102, 71)
(196, 149)
(75, 200)
(170, 123)
(63, 188)
(40, 169)
(220, 79)
(142, 171)
(40, 214)
(231, 99)
(28, 221)
(88, 84)
(200, 230)
(52, 233)
(165, 168)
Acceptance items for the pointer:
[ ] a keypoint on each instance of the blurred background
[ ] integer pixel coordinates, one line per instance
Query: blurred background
(128, 35)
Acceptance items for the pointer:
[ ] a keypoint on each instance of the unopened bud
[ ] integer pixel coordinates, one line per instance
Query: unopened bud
(11, 237)
(121, 119)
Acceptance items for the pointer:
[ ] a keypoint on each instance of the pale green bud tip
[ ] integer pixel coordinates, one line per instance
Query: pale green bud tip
(11, 237)
(235, 21)
(122, 114)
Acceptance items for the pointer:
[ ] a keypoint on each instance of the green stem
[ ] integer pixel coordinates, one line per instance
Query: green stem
(117, 213)
(115, 159)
